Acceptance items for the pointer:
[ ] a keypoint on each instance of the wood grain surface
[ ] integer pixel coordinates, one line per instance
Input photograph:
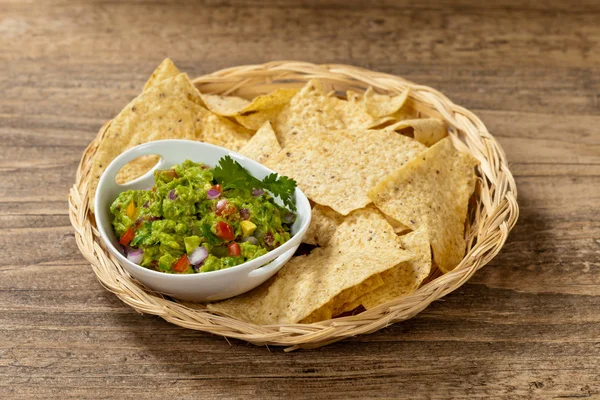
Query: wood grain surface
(527, 326)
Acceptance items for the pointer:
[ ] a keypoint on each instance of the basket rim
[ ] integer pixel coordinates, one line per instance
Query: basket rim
(496, 214)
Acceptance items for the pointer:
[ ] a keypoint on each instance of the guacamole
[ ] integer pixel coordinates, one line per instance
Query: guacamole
(191, 222)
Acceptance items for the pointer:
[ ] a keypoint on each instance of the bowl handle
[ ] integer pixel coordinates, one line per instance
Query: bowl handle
(151, 148)
(267, 269)
(264, 270)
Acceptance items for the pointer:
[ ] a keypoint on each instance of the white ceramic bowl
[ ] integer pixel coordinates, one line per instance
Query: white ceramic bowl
(206, 286)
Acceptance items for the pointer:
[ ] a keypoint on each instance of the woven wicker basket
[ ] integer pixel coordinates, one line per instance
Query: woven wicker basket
(492, 215)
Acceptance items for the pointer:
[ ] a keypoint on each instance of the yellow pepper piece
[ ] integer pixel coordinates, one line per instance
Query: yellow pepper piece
(131, 210)
(247, 228)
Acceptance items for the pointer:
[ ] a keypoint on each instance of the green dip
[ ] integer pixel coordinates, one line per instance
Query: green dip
(186, 216)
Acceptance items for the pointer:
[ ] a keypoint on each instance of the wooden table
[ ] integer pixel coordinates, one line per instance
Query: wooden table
(526, 326)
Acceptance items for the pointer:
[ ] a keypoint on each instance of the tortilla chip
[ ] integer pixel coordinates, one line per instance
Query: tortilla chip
(226, 106)
(352, 294)
(322, 314)
(219, 131)
(162, 112)
(251, 115)
(264, 108)
(353, 96)
(381, 123)
(336, 305)
(323, 223)
(428, 131)
(263, 145)
(351, 305)
(362, 246)
(432, 190)
(375, 122)
(136, 168)
(404, 278)
(338, 170)
(398, 226)
(381, 105)
(401, 280)
(311, 111)
(165, 70)
(168, 71)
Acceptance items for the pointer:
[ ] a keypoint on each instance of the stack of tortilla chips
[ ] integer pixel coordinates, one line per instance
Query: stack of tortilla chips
(390, 191)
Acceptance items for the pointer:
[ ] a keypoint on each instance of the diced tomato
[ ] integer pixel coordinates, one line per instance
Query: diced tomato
(182, 264)
(127, 236)
(218, 188)
(224, 208)
(221, 206)
(234, 249)
(224, 231)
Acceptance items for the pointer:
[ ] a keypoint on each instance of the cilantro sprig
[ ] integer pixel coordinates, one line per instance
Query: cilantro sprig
(231, 175)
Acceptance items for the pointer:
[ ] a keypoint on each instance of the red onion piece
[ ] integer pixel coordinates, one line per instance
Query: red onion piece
(289, 218)
(245, 214)
(269, 239)
(198, 255)
(172, 195)
(146, 204)
(135, 255)
(212, 194)
(257, 192)
(251, 239)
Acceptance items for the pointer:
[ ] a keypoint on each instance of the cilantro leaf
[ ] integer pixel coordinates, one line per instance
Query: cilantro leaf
(281, 186)
(138, 239)
(209, 235)
(231, 175)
